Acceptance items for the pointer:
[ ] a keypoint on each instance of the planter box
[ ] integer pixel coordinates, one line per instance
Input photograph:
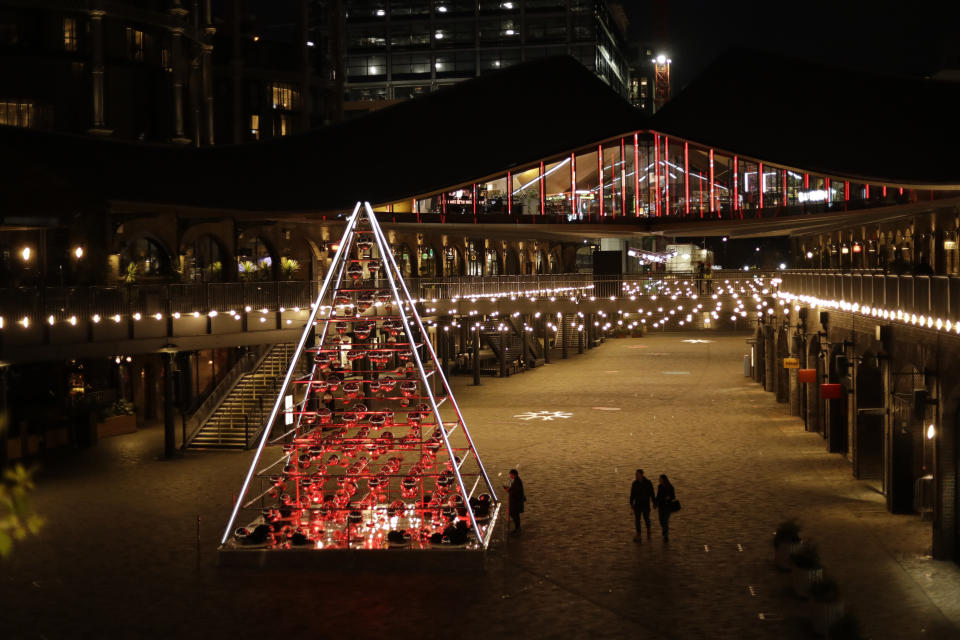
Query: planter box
(117, 425)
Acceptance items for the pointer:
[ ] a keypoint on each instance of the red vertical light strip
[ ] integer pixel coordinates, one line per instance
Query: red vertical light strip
(509, 193)
(443, 206)
(901, 191)
(713, 202)
(883, 191)
(826, 184)
(760, 187)
(700, 190)
(474, 202)
(600, 176)
(656, 172)
(666, 175)
(636, 175)
(806, 181)
(573, 184)
(846, 190)
(623, 178)
(543, 189)
(783, 187)
(686, 178)
(736, 184)
(416, 206)
(866, 191)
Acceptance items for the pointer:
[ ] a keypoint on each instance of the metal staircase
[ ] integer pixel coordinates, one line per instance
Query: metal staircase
(242, 413)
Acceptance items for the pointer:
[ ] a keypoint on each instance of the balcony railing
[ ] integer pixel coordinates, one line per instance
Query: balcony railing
(936, 297)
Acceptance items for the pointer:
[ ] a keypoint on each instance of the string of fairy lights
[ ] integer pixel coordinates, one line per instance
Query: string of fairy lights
(678, 302)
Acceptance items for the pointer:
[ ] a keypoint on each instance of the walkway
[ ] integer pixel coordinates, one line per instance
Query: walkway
(119, 556)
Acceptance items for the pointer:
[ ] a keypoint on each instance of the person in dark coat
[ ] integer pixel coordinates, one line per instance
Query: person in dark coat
(666, 495)
(517, 498)
(641, 495)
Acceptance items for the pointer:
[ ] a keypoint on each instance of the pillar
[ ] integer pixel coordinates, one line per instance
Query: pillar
(176, 53)
(546, 339)
(796, 351)
(169, 402)
(769, 358)
(96, 70)
(476, 355)
(503, 354)
(206, 71)
(564, 328)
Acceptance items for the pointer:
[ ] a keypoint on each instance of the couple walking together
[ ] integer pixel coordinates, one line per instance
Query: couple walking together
(664, 500)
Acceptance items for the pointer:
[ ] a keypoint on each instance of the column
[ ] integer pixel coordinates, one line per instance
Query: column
(206, 71)
(169, 405)
(96, 70)
(564, 328)
(176, 53)
(546, 339)
(476, 355)
(503, 353)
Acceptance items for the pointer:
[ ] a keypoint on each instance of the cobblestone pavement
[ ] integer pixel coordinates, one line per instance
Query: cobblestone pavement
(120, 555)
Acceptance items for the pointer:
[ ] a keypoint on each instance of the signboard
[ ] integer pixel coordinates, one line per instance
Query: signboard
(806, 375)
(791, 363)
(831, 391)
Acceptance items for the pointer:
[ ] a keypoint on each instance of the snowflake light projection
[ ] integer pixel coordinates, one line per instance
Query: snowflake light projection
(544, 415)
(355, 453)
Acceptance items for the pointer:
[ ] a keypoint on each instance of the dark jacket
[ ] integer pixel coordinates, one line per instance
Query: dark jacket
(517, 497)
(665, 495)
(641, 494)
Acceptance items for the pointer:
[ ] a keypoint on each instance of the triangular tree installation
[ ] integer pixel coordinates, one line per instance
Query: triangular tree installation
(355, 453)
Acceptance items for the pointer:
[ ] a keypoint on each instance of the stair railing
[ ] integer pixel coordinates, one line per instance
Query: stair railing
(208, 407)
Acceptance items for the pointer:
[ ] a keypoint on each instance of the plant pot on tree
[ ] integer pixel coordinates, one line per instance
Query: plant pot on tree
(826, 608)
(785, 541)
(806, 569)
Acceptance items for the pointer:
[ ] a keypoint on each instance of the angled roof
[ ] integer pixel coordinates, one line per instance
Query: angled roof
(822, 119)
(455, 135)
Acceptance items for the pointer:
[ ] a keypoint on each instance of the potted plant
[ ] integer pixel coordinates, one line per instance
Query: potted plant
(807, 570)
(785, 541)
(289, 266)
(133, 270)
(825, 604)
(846, 627)
(248, 270)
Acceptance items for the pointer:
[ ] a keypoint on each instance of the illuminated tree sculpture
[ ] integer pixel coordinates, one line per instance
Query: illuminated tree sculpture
(366, 447)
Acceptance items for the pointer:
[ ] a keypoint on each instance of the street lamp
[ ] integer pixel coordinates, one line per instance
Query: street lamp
(25, 253)
(78, 252)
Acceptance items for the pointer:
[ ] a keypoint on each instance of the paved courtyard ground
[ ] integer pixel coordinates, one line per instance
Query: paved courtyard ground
(120, 556)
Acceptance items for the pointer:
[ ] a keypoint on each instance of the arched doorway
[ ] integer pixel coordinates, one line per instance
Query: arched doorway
(474, 261)
(203, 259)
(814, 405)
(585, 259)
(255, 260)
(541, 264)
(491, 263)
(405, 262)
(429, 264)
(782, 375)
(512, 263)
(868, 427)
(144, 258)
(452, 264)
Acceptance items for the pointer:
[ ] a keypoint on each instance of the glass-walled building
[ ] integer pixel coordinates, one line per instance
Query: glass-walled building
(400, 49)
(647, 174)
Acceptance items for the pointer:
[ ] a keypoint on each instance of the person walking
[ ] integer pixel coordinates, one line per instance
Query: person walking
(641, 495)
(666, 496)
(517, 498)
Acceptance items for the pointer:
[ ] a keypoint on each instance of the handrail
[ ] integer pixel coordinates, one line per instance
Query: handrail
(250, 362)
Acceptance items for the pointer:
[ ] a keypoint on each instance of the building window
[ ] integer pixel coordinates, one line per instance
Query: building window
(280, 125)
(284, 96)
(17, 114)
(69, 34)
(255, 126)
(135, 44)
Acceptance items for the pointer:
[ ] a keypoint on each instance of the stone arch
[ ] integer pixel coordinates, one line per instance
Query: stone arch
(555, 260)
(492, 262)
(452, 261)
(204, 257)
(406, 261)
(428, 261)
(541, 263)
(151, 255)
(257, 258)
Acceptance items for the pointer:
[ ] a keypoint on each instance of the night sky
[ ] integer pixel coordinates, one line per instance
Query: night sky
(900, 37)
